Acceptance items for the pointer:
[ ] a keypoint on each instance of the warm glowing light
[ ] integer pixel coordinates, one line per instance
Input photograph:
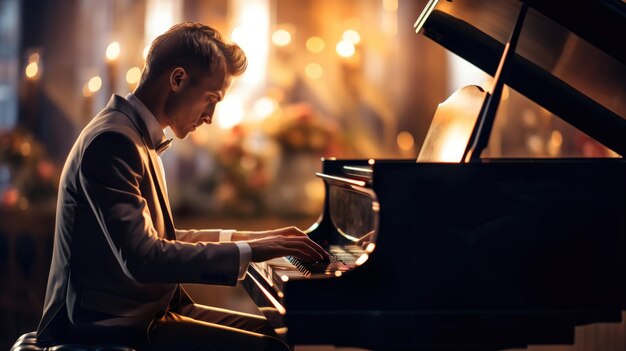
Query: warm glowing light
(160, 15)
(352, 36)
(145, 52)
(32, 69)
(505, 93)
(25, 149)
(113, 51)
(313, 70)
(86, 92)
(252, 33)
(370, 247)
(94, 84)
(534, 143)
(529, 118)
(361, 259)
(556, 138)
(237, 35)
(133, 75)
(314, 190)
(284, 278)
(315, 44)
(405, 141)
(263, 108)
(345, 48)
(338, 274)
(453, 144)
(556, 141)
(390, 5)
(229, 112)
(371, 161)
(281, 37)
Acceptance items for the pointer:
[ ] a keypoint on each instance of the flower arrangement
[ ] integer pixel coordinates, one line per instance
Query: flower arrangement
(245, 160)
(27, 175)
(301, 130)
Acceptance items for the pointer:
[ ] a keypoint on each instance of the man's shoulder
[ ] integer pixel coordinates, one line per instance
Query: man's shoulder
(112, 121)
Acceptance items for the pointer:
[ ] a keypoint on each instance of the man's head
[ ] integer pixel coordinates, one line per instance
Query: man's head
(194, 66)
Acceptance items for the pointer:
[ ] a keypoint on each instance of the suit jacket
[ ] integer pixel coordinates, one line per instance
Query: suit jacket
(116, 259)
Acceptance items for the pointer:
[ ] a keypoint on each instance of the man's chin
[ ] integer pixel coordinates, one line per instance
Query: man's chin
(182, 135)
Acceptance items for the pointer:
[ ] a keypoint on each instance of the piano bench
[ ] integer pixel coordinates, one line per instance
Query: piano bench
(29, 342)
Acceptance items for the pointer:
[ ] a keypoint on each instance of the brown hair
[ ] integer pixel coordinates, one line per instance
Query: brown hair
(193, 46)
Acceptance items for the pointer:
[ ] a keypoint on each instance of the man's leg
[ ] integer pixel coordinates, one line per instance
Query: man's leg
(199, 327)
(235, 319)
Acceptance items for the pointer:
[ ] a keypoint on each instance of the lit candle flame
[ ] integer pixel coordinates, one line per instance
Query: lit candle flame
(113, 51)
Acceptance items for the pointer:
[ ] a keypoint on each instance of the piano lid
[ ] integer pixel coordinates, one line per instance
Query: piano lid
(570, 58)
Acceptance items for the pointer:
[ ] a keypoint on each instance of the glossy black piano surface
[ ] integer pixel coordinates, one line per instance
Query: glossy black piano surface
(491, 254)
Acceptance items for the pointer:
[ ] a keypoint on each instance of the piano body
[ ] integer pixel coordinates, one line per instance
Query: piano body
(484, 253)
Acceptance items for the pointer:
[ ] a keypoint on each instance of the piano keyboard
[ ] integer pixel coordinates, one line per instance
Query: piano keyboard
(342, 258)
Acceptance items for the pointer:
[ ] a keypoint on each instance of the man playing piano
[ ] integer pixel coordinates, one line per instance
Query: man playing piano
(118, 259)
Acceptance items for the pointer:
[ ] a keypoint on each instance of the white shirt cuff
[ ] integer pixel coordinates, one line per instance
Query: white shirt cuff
(226, 234)
(245, 256)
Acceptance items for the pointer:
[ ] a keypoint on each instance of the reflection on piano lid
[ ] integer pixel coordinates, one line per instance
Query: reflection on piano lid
(494, 254)
(562, 62)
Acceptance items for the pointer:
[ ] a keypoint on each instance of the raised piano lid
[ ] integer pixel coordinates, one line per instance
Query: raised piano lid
(558, 39)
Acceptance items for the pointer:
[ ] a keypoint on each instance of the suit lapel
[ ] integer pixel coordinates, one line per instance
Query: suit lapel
(120, 104)
(165, 203)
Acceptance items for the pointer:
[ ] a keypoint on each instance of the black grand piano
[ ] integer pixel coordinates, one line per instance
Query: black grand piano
(476, 252)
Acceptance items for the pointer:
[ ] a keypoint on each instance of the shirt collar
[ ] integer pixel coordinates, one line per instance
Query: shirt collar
(156, 134)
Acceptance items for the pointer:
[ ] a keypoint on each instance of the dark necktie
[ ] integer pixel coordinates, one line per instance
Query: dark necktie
(162, 147)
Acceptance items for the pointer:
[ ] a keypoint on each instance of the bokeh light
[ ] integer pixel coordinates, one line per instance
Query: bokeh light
(352, 36)
(313, 70)
(94, 84)
(133, 75)
(345, 48)
(113, 51)
(405, 141)
(315, 44)
(229, 112)
(32, 69)
(281, 37)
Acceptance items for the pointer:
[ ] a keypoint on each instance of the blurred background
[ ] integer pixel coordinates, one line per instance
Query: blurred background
(326, 78)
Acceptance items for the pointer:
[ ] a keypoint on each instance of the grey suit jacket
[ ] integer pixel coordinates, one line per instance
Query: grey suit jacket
(116, 260)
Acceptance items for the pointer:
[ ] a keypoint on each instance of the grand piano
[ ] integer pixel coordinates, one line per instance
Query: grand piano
(477, 252)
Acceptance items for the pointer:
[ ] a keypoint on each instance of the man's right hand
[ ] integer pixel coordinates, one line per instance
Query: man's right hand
(301, 247)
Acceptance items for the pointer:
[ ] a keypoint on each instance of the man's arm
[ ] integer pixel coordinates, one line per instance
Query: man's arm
(274, 244)
(214, 235)
(111, 175)
(196, 235)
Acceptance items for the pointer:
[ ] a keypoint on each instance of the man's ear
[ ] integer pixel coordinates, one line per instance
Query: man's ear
(178, 78)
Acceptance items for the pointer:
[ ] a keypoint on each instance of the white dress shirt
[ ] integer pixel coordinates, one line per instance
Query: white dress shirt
(157, 136)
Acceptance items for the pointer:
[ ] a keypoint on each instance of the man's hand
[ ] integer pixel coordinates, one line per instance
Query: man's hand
(283, 244)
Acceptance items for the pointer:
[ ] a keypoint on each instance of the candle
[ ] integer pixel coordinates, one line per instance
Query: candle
(112, 54)
(30, 93)
(93, 85)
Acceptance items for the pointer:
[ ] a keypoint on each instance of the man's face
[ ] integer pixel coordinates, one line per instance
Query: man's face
(192, 100)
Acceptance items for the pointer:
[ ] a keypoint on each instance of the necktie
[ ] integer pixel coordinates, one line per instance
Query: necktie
(162, 147)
